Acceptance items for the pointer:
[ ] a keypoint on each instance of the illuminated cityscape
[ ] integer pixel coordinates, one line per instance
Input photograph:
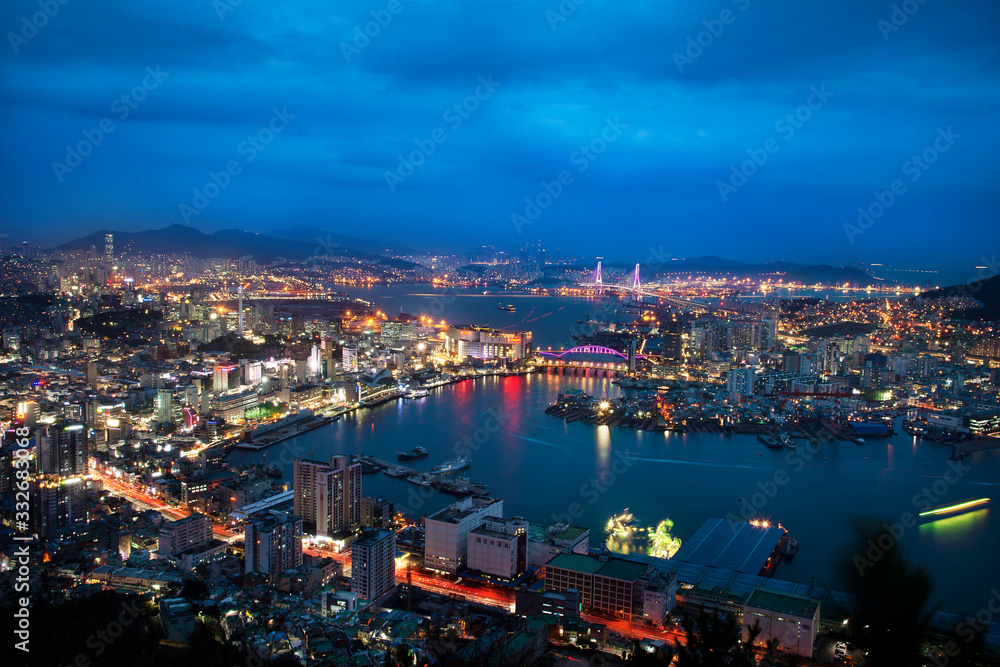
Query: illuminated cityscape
(361, 336)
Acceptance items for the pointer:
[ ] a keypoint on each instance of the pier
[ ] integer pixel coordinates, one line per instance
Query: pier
(960, 450)
(458, 487)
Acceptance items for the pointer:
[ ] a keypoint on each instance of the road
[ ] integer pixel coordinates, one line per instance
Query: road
(171, 512)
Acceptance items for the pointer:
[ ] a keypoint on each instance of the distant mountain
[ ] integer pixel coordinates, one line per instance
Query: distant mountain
(230, 243)
(317, 236)
(988, 292)
(181, 238)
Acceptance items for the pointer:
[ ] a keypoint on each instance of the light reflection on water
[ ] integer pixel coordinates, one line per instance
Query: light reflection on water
(955, 530)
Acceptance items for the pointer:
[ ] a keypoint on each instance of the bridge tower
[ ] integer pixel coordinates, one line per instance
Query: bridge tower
(598, 281)
(636, 286)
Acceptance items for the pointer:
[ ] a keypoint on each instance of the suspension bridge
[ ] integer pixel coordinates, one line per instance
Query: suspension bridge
(635, 289)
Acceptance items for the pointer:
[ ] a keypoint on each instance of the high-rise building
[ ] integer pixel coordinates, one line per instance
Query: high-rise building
(60, 502)
(373, 564)
(741, 380)
(62, 449)
(164, 406)
(327, 495)
(376, 512)
(273, 542)
(446, 532)
(109, 247)
(338, 497)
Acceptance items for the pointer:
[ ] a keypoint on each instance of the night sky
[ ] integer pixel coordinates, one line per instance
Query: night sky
(832, 99)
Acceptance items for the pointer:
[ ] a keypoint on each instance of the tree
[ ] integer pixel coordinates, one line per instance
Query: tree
(892, 592)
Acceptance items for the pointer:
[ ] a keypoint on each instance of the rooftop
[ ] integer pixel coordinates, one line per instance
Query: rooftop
(783, 603)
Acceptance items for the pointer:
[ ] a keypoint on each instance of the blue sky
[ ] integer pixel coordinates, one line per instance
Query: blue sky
(683, 94)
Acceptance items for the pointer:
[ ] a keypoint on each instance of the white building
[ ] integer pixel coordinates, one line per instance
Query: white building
(180, 535)
(741, 380)
(792, 619)
(373, 564)
(446, 532)
(486, 343)
(498, 549)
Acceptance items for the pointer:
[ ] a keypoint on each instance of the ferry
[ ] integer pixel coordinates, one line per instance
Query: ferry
(417, 393)
(411, 454)
(420, 481)
(509, 308)
(770, 441)
(451, 466)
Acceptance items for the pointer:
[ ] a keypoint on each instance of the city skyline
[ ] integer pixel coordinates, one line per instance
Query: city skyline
(598, 118)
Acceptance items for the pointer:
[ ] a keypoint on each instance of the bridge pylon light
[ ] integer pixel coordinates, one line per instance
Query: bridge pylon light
(636, 285)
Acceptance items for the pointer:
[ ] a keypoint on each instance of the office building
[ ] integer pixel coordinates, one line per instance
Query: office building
(498, 549)
(273, 542)
(611, 584)
(446, 532)
(486, 343)
(59, 502)
(180, 535)
(373, 564)
(791, 619)
(376, 512)
(62, 449)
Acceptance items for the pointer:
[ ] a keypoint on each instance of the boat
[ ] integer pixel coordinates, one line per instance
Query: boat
(451, 466)
(793, 546)
(786, 441)
(417, 393)
(395, 472)
(417, 479)
(411, 454)
(509, 308)
(770, 441)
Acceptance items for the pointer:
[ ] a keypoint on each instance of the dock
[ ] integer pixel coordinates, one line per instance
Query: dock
(457, 487)
(960, 450)
(286, 433)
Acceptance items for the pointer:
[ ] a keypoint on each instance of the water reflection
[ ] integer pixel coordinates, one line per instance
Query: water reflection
(955, 529)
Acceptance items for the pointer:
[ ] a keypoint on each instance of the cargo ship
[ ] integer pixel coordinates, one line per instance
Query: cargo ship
(411, 454)
(451, 466)
(770, 441)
